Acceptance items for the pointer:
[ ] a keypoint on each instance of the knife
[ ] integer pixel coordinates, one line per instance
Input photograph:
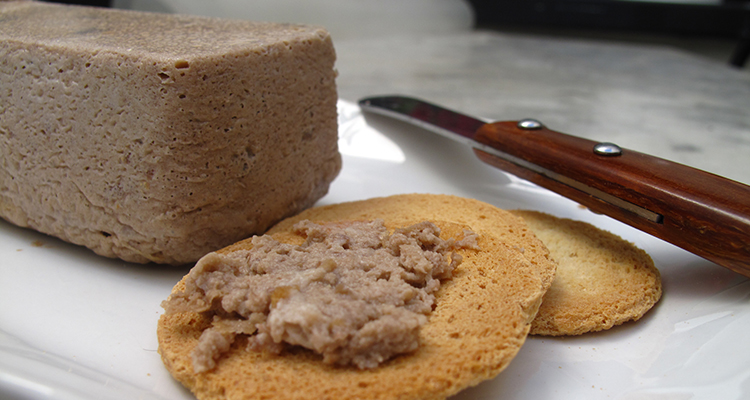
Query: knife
(703, 213)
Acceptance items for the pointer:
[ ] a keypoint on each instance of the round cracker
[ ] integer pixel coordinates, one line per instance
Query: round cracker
(480, 321)
(602, 280)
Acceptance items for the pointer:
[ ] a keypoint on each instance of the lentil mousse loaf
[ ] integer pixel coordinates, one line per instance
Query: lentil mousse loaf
(158, 138)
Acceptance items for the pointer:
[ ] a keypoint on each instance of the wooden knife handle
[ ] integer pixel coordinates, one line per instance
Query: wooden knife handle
(698, 211)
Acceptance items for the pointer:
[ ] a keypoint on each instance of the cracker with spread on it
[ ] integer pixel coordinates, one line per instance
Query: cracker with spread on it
(481, 317)
(353, 292)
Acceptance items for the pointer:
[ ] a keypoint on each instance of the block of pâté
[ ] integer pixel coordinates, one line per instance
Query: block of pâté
(156, 137)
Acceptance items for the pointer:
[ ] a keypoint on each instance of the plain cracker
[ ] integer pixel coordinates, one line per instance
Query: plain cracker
(602, 280)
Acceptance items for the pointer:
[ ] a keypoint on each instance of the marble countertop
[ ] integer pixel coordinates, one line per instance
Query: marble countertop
(654, 99)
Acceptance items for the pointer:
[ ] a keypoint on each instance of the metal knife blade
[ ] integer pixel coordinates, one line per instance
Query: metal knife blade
(703, 213)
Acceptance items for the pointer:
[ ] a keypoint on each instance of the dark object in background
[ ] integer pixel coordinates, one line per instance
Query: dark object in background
(727, 19)
(96, 3)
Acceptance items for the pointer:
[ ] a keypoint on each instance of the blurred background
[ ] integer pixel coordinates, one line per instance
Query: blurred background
(718, 29)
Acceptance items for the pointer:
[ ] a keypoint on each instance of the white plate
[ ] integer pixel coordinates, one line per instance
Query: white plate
(77, 326)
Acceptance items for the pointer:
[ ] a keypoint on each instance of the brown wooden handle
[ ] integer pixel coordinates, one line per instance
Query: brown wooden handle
(700, 212)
